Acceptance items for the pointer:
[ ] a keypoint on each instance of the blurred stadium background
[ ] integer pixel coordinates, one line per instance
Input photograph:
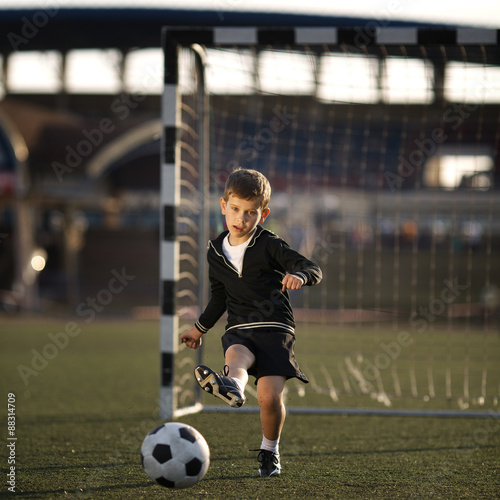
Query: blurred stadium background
(80, 140)
(79, 171)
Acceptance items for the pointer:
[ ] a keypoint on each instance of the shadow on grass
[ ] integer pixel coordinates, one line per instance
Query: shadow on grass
(71, 467)
(374, 452)
(84, 419)
(82, 491)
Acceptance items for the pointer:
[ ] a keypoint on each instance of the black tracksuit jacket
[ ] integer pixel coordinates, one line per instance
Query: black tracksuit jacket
(254, 298)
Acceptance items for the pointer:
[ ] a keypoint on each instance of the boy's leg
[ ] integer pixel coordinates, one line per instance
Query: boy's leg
(238, 360)
(230, 385)
(272, 416)
(272, 410)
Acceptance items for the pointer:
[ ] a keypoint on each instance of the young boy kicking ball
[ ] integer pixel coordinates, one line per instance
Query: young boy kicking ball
(250, 271)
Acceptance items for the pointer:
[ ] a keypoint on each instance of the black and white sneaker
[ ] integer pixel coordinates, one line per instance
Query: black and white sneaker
(269, 464)
(220, 385)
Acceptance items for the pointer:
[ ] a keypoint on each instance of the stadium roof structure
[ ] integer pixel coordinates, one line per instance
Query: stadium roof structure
(64, 29)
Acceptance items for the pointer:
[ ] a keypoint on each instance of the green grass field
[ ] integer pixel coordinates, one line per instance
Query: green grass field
(81, 418)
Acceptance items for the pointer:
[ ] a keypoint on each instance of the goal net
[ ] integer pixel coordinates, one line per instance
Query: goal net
(382, 149)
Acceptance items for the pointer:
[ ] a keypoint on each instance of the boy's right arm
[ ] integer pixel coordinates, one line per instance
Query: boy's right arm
(192, 338)
(215, 307)
(213, 311)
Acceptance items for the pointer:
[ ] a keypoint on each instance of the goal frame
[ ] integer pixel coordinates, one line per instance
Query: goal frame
(173, 38)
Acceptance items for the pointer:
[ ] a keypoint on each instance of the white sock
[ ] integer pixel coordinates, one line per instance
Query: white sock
(239, 383)
(269, 445)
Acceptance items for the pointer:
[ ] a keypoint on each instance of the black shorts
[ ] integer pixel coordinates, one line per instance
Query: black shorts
(273, 350)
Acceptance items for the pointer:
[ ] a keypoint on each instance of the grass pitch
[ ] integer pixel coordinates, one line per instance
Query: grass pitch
(82, 416)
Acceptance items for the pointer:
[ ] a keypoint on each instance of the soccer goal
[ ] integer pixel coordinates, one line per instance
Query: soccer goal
(382, 148)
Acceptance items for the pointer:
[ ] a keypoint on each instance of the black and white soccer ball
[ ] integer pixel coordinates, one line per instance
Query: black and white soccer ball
(175, 455)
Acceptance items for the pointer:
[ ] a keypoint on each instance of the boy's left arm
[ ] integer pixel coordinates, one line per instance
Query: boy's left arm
(292, 282)
(300, 270)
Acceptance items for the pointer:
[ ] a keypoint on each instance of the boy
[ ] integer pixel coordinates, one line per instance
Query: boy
(250, 271)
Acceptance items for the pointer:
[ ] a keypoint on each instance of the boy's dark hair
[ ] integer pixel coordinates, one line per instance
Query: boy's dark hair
(248, 184)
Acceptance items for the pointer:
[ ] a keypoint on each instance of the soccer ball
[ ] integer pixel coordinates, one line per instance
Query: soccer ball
(175, 455)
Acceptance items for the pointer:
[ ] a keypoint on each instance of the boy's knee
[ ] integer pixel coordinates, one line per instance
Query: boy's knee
(239, 355)
(271, 401)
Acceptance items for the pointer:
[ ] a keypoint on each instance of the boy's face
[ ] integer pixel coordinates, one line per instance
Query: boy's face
(242, 217)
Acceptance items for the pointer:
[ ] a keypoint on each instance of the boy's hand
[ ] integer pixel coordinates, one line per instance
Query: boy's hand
(191, 337)
(291, 282)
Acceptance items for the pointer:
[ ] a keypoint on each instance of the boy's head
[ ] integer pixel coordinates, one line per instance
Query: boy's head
(244, 203)
(248, 184)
